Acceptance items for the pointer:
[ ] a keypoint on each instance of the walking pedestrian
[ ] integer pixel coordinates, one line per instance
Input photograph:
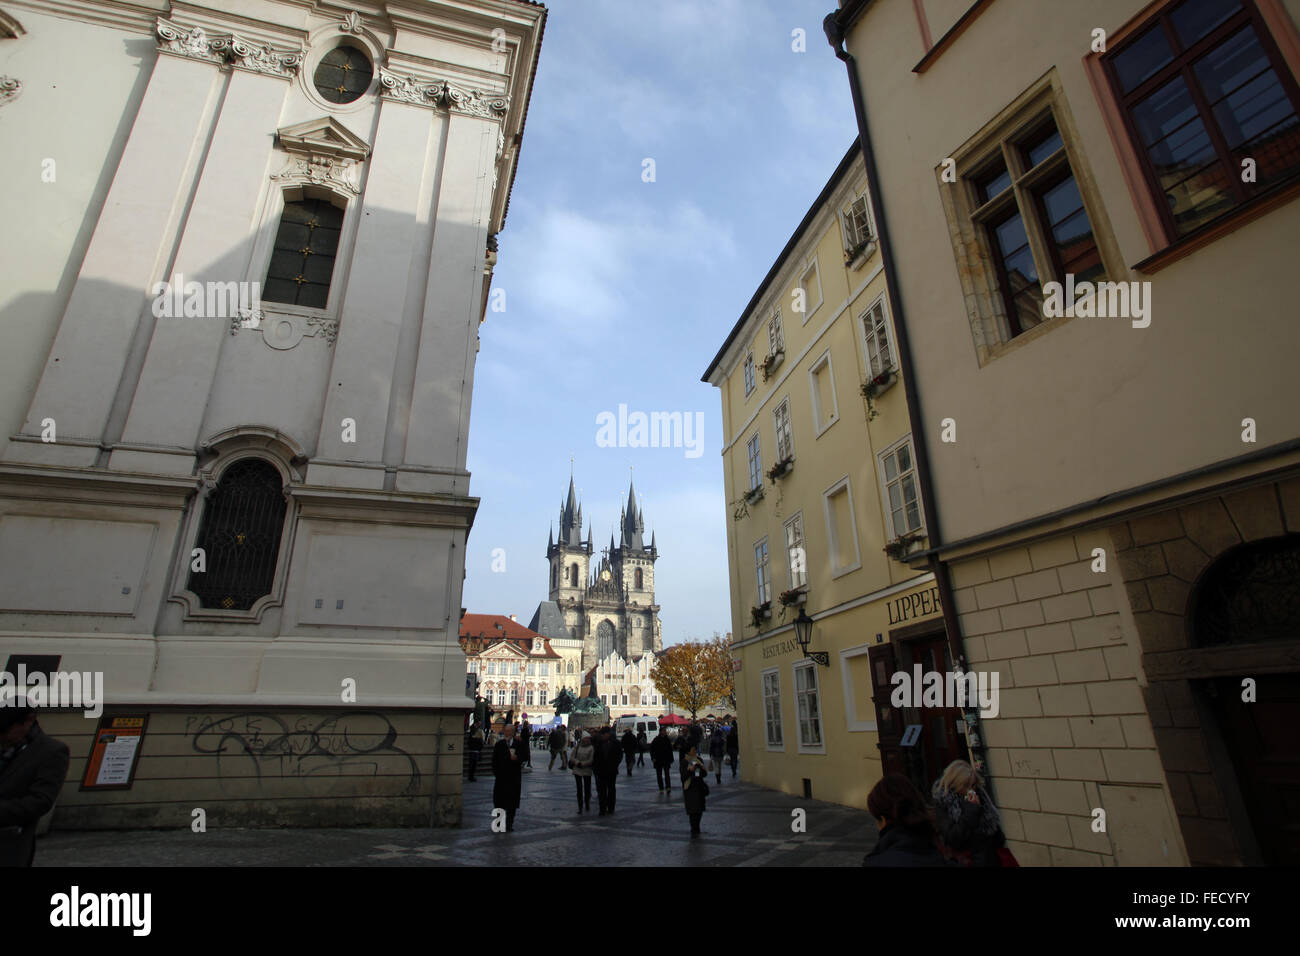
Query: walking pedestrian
(695, 787)
(733, 748)
(907, 835)
(525, 732)
(629, 749)
(608, 757)
(717, 750)
(641, 746)
(508, 767)
(584, 758)
(32, 768)
(474, 746)
(970, 828)
(558, 741)
(661, 755)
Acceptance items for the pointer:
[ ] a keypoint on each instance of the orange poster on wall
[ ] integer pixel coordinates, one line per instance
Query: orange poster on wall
(114, 754)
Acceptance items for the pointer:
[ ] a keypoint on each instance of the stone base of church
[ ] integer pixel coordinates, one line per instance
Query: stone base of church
(271, 767)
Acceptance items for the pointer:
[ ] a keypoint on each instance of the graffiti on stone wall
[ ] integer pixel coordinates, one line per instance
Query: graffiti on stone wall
(313, 746)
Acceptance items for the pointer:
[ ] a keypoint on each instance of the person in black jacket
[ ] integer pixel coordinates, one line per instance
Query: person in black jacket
(609, 755)
(695, 787)
(733, 748)
(629, 749)
(661, 755)
(32, 768)
(508, 758)
(907, 835)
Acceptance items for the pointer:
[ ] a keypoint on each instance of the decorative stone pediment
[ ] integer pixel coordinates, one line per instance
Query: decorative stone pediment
(322, 152)
(227, 49)
(325, 136)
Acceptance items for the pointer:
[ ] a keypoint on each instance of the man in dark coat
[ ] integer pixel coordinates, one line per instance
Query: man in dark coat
(661, 755)
(32, 768)
(508, 766)
(733, 748)
(558, 740)
(608, 757)
(629, 749)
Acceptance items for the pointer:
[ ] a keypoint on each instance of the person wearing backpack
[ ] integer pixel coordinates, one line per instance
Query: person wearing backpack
(581, 763)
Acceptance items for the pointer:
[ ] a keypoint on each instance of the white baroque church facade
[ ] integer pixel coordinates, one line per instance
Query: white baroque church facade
(250, 512)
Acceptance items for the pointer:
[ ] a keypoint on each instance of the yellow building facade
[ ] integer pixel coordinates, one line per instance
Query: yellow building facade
(819, 480)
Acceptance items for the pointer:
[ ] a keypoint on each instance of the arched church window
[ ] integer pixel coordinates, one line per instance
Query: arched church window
(639, 585)
(302, 263)
(570, 667)
(573, 575)
(240, 536)
(343, 75)
(1249, 594)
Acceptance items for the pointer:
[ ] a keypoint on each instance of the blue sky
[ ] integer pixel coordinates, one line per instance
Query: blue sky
(619, 291)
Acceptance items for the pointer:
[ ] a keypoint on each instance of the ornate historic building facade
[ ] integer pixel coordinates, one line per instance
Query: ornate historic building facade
(610, 607)
(235, 387)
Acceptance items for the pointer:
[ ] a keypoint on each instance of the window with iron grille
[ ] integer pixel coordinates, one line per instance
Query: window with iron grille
(243, 519)
(343, 75)
(1202, 89)
(302, 262)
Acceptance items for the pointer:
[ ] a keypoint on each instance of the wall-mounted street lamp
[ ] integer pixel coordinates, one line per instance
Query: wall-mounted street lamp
(803, 626)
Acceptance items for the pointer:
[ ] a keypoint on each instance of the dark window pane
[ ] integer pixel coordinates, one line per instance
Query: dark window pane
(1043, 145)
(1195, 18)
(1164, 111)
(992, 182)
(242, 522)
(1062, 201)
(292, 235)
(1141, 58)
(313, 296)
(1231, 64)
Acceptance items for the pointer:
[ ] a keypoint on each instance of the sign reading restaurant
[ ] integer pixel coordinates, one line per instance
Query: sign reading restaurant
(780, 647)
(916, 604)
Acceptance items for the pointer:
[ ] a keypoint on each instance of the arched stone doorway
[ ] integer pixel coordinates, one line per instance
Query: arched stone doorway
(1247, 598)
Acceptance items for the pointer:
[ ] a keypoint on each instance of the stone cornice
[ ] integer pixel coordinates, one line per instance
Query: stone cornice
(227, 49)
(439, 94)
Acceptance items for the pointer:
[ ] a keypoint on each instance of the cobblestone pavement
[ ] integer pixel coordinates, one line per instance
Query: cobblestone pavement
(745, 825)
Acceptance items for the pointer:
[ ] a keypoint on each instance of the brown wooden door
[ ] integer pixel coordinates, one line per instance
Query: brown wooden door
(940, 743)
(1262, 738)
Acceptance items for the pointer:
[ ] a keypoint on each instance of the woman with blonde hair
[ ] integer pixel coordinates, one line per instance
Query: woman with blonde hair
(968, 822)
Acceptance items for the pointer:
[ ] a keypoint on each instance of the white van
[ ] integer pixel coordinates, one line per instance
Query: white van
(637, 724)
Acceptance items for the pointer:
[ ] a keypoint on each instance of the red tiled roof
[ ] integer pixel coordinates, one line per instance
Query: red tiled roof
(486, 629)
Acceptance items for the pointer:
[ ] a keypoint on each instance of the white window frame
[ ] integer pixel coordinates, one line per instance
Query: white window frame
(796, 520)
(832, 534)
(808, 306)
(749, 374)
(847, 226)
(866, 337)
(779, 745)
(788, 429)
(809, 667)
(890, 533)
(775, 333)
(823, 359)
(763, 571)
(754, 454)
(852, 722)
